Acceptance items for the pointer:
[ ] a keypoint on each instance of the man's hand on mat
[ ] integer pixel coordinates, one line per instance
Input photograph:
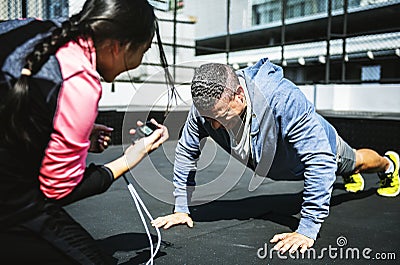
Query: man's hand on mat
(172, 219)
(291, 242)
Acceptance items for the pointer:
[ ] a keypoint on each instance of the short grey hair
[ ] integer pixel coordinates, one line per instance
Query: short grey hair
(209, 83)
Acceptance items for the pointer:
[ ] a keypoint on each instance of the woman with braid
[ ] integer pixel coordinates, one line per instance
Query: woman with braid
(49, 93)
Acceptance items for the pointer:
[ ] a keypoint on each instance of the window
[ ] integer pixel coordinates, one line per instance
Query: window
(371, 73)
(266, 13)
(296, 10)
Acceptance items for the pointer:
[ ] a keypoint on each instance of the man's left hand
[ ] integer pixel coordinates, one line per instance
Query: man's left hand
(292, 242)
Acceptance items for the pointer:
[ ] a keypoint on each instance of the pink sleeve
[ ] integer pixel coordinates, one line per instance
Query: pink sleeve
(64, 162)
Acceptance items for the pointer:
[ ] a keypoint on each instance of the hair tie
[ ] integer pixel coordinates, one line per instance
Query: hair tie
(26, 71)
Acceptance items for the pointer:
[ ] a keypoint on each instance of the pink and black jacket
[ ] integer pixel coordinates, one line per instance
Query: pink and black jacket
(63, 102)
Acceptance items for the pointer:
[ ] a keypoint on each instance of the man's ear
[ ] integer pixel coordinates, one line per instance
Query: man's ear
(240, 93)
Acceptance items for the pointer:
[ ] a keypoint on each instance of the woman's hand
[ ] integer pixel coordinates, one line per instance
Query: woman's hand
(100, 138)
(159, 136)
(135, 152)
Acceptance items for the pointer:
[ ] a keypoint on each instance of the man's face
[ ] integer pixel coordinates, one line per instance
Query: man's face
(226, 112)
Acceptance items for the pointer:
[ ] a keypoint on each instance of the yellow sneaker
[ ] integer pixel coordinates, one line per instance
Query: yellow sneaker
(354, 183)
(389, 183)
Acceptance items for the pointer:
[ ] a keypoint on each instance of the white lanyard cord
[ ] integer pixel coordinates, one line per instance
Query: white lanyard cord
(138, 203)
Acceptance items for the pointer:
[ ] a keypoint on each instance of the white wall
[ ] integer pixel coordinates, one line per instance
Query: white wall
(211, 16)
(365, 97)
(142, 97)
(368, 98)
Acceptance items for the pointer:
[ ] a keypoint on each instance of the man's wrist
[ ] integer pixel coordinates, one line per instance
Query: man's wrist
(181, 204)
(179, 208)
(308, 228)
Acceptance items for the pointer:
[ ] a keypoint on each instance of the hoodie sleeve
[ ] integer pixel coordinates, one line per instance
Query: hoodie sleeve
(304, 130)
(187, 154)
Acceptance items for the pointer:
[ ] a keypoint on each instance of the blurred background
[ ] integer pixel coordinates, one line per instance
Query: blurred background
(343, 54)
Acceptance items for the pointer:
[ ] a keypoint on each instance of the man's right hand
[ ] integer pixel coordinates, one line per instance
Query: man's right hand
(172, 219)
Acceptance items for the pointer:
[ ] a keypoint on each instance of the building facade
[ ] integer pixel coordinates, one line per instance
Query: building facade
(317, 41)
(45, 9)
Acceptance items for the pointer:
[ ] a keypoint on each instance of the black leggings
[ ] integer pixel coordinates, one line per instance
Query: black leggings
(19, 245)
(97, 179)
(53, 236)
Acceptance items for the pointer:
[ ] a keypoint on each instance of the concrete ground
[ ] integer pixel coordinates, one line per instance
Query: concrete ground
(235, 228)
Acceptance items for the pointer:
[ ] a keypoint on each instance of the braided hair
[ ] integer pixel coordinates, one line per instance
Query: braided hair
(14, 109)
